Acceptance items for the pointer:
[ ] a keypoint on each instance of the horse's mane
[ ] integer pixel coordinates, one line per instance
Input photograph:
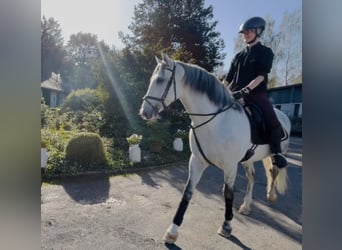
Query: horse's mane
(202, 81)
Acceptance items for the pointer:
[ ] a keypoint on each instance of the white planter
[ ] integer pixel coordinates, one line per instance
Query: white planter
(134, 153)
(178, 144)
(43, 157)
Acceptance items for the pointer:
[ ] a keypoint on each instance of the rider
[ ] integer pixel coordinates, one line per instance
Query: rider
(247, 78)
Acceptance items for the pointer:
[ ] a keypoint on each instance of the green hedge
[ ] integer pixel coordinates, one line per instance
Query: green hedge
(87, 150)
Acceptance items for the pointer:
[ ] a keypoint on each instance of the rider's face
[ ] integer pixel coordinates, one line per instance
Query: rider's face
(248, 35)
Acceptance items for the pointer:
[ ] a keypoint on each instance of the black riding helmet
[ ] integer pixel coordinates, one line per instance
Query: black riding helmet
(253, 23)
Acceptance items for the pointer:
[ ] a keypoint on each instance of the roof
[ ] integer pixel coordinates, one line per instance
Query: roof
(53, 83)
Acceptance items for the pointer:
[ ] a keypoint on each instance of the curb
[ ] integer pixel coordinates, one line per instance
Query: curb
(123, 171)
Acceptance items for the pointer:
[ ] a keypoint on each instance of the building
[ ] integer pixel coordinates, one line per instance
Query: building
(52, 91)
(289, 100)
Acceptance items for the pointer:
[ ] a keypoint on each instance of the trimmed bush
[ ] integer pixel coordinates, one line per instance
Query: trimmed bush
(82, 100)
(87, 150)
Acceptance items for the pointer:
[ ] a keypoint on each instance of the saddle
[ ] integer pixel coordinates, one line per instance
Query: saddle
(259, 134)
(257, 124)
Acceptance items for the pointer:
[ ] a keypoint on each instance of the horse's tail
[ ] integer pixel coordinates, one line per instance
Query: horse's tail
(280, 181)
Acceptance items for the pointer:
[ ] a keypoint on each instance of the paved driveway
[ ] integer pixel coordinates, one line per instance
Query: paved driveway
(133, 211)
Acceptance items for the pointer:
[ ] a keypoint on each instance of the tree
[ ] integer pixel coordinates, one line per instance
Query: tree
(196, 34)
(52, 50)
(271, 38)
(82, 48)
(117, 112)
(291, 47)
(82, 52)
(183, 28)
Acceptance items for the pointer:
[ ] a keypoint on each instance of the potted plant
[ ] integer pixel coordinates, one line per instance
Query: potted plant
(178, 142)
(156, 145)
(134, 151)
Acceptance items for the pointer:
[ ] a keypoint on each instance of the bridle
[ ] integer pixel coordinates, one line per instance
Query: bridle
(165, 93)
(171, 81)
(162, 101)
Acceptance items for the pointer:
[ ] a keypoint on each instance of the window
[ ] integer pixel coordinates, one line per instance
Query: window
(296, 110)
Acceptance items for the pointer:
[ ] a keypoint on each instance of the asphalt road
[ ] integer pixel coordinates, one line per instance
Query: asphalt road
(134, 211)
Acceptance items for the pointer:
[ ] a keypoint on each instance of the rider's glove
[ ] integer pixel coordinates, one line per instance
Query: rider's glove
(241, 93)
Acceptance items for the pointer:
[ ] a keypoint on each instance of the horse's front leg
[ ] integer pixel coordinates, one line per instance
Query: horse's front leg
(196, 169)
(245, 208)
(229, 178)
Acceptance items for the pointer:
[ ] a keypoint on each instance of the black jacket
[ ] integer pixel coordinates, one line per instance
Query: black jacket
(248, 64)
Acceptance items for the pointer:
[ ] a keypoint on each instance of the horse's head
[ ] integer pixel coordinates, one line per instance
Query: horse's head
(162, 89)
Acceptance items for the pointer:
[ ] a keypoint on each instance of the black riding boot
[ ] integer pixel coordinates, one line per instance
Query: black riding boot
(275, 140)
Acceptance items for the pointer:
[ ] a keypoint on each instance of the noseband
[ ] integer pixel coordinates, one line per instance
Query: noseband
(166, 91)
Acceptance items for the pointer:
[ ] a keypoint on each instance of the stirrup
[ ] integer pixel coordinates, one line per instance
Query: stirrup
(279, 160)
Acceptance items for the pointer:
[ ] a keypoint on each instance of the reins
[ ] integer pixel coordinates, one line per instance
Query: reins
(202, 124)
(209, 114)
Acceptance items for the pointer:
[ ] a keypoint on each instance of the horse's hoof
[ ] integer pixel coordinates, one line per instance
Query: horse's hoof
(170, 238)
(244, 210)
(225, 230)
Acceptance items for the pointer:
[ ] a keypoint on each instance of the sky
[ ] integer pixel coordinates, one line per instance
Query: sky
(105, 18)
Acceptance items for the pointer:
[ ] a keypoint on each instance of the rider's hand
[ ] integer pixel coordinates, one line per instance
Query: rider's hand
(241, 93)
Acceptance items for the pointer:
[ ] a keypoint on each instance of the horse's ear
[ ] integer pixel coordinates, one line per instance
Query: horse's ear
(166, 59)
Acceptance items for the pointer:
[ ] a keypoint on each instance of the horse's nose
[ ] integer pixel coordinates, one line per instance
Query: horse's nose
(143, 113)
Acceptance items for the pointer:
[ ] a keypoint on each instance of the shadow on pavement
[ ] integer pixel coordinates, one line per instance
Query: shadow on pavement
(211, 183)
(148, 180)
(232, 238)
(172, 246)
(90, 190)
(236, 241)
(174, 175)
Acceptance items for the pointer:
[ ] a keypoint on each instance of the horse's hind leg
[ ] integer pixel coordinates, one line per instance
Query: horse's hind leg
(196, 169)
(245, 208)
(229, 178)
